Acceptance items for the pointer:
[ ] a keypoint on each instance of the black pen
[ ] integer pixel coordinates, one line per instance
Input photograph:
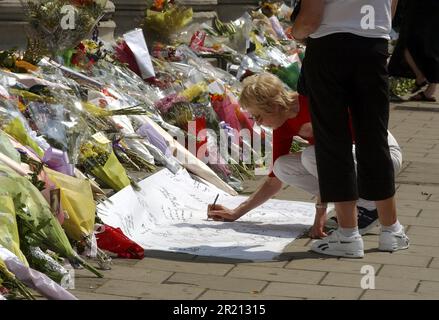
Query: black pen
(214, 202)
(213, 206)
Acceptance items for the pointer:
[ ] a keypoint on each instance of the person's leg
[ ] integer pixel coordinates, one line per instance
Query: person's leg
(289, 170)
(431, 90)
(367, 210)
(387, 206)
(370, 115)
(327, 76)
(395, 153)
(420, 77)
(347, 214)
(369, 106)
(328, 65)
(343, 209)
(367, 215)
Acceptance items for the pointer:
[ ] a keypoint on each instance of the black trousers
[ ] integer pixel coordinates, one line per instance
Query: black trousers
(346, 76)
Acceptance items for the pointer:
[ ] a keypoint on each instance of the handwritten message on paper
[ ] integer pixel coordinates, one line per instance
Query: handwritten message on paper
(170, 211)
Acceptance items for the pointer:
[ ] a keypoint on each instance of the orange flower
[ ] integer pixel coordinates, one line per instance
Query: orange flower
(158, 4)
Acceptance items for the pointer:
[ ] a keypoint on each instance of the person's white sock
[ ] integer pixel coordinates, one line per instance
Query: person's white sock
(368, 205)
(396, 227)
(349, 232)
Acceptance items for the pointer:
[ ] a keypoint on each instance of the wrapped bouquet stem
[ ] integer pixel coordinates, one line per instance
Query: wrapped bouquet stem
(44, 263)
(33, 278)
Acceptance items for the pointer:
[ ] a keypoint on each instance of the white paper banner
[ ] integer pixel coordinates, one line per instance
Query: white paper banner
(170, 212)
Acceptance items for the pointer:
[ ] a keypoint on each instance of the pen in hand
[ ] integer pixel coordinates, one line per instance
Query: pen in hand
(213, 206)
(214, 202)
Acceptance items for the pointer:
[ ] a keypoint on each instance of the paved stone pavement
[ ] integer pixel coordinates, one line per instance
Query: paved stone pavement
(300, 274)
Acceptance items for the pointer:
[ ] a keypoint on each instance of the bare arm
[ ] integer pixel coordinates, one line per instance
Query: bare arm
(268, 189)
(309, 18)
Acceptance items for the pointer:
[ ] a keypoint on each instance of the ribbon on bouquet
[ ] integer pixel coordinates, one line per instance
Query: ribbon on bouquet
(58, 160)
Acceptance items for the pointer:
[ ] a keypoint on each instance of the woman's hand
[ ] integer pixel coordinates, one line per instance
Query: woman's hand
(221, 213)
(317, 230)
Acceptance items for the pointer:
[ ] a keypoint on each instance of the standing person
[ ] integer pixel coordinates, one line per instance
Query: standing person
(416, 54)
(422, 46)
(346, 73)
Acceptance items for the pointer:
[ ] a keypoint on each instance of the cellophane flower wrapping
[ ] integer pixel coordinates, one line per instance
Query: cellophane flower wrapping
(43, 262)
(9, 237)
(7, 148)
(13, 123)
(126, 86)
(113, 240)
(77, 200)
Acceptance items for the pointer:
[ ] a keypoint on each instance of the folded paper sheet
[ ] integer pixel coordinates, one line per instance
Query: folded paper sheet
(170, 212)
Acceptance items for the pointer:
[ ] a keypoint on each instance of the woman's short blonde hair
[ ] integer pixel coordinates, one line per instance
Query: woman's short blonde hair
(263, 91)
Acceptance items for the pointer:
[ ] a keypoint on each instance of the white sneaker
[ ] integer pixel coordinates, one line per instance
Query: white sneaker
(338, 245)
(393, 241)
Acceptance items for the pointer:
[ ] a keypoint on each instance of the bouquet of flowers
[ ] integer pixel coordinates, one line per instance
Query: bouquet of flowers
(13, 123)
(43, 262)
(62, 24)
(58, 116)
(62, 126)
(289, 74)
(97, 158)
(85, 55)
(163, 18)
(37, 225)
(126, 86)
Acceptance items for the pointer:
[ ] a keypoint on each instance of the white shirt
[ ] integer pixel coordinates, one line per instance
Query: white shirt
(367, 18)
